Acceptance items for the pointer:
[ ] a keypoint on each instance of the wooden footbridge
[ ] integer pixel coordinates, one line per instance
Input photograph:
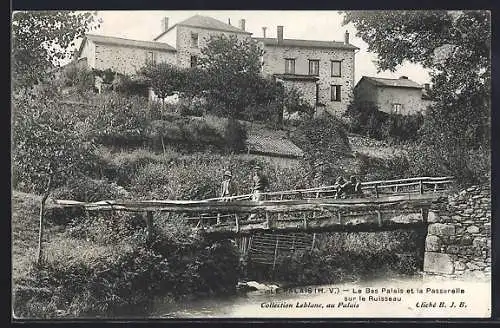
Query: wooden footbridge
(382, 207)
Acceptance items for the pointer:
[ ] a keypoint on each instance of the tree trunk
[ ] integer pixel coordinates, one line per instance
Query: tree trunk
(40, 228)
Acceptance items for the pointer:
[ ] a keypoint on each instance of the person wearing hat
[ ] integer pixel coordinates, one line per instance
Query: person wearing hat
(226, 189)
(260, 184)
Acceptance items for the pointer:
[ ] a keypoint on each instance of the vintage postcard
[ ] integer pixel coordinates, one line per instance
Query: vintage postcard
(251, 164)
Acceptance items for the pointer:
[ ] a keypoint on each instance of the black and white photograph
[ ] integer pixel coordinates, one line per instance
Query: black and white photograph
(182, 164)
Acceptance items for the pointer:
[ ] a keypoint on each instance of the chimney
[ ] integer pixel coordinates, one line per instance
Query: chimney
(279, 33)
(427, 86)
(403, 77)
(242, 24)
(164, 24)
(346, 37)
(264, 31)
(229, 21)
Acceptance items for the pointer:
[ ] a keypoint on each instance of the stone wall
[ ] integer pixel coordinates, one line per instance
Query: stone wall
(274, 63)
(459, 234)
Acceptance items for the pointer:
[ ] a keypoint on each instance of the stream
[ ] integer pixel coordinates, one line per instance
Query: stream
(415, 296)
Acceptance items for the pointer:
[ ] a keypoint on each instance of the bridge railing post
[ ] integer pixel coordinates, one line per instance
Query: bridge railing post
(421, 187)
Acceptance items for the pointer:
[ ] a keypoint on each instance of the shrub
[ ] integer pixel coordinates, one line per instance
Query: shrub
(365, 118)
(235, 136)
(89, 190)
(324, 142)
(125, 85)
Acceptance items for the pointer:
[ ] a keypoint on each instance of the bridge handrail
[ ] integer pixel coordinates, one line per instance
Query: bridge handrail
(324, 189)
(366, 185)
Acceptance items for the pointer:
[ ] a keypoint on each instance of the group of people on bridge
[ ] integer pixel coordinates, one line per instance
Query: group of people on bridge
(342, 188)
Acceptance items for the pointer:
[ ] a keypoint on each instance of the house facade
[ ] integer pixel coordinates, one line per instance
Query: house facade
(394, 96)
(123, 55)
(323, 71)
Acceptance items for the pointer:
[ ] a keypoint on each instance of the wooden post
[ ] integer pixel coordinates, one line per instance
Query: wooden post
(340, 217)
(280, 215)
(314, 240)
(275, 252)
(379, 218)
(267, 220)
(435, 187)
(421, 185)
(305, 221)
(237, 223)
(149, 226)
(425, 214)
(40, 227)
(376, 191)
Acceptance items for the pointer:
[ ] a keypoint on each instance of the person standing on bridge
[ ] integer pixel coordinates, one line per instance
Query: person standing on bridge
(226, 189)
(260, 184)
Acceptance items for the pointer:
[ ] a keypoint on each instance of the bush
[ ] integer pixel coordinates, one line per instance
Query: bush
(85, 189)
(235, 136)
(325, 143)
(467, 166)
(340, 257)
(365, 118)
(198, 176)
(127, 86)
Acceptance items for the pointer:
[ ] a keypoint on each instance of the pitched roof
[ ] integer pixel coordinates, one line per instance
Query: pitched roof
(128, 42)
(207, 23)
(398, 83)
(307, 43)
(273, 146)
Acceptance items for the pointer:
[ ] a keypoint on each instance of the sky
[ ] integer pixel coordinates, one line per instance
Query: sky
(310, 25)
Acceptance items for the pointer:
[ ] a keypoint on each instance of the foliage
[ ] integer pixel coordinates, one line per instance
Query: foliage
(198, 176)
(324, 141)
(41, 39)
(341, 257)
(455, 46)
(47, 145)
(366, 119)
(294, 102)
(107, 75)
(85, 189)
(235, 135)
(165, 79)
(128, 86)
(231, 69)
(80, 78)
(467, 166)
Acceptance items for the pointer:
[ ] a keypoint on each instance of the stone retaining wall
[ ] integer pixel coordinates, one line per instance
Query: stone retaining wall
(459, 234)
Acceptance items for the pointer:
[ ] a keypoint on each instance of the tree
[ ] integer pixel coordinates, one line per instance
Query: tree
(232, 70)
(165, 79)
(455, 46)
(41, 39)
(47, 148)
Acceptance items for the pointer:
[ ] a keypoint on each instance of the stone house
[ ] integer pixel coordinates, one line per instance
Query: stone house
(323, 71)
(394, 96)
(191, 35)
(122, 55)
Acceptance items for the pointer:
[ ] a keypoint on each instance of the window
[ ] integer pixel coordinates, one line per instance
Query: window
(314, 67)
(290, 66)
(336, 68)
(194, 61)
(150, 57)
(194, 40)
(396, 108)
(335, 93)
